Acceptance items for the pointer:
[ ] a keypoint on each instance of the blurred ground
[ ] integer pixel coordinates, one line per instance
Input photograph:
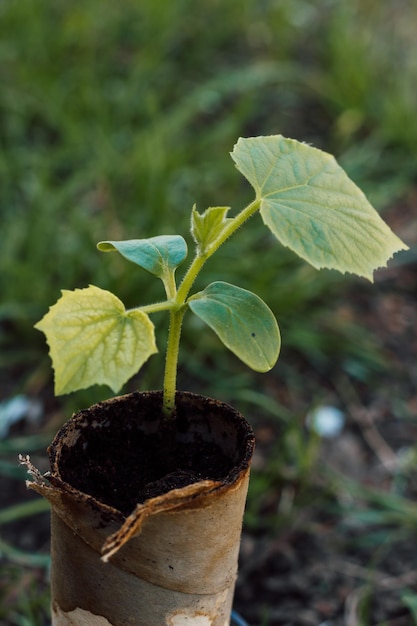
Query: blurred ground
(336, 547)
(349, 556)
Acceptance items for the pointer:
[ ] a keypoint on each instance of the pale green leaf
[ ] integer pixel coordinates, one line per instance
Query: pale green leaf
(410, 600)
(158, 255)
(93, 340)
(313, 207)
(244, 323)
(208, 226)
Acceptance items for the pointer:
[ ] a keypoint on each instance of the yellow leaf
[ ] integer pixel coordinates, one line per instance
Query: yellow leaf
(93, 340)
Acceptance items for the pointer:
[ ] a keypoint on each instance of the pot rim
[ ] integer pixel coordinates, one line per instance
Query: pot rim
(234, 417)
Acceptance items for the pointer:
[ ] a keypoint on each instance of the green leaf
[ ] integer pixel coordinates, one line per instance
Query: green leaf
(207, 227)
(312, 206)
(158, 255)
(94, 340)
(410, 600)
(244, 323)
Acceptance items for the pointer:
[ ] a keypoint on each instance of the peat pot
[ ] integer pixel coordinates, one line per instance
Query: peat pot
(147, 517)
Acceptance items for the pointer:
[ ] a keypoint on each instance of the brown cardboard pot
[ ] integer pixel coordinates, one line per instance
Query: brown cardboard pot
(134, 548)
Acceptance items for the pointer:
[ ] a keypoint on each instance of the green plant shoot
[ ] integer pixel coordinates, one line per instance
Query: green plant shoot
(307, 201)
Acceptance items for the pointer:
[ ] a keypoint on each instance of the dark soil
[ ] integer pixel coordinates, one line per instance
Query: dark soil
(126, 453)
(139, 470)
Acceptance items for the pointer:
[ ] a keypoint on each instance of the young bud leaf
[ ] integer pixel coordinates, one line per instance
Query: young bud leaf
(206, 227)
(94, 340)
(244, 323)
(312, 206)
(158, 255)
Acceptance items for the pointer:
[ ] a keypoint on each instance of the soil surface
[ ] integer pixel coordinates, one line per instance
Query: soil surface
(337, 547)
(145, 464)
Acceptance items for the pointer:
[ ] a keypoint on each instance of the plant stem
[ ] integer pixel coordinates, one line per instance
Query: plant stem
(171, 362)
(178, 311)
(153, 308)
(169, 284)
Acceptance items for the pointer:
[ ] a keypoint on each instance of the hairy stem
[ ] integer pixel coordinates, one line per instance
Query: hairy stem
(171, 362)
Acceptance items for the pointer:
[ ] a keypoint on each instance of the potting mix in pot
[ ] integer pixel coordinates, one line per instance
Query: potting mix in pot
(148, 489)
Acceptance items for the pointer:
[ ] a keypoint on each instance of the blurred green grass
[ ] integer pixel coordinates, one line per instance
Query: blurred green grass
(116, 117)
